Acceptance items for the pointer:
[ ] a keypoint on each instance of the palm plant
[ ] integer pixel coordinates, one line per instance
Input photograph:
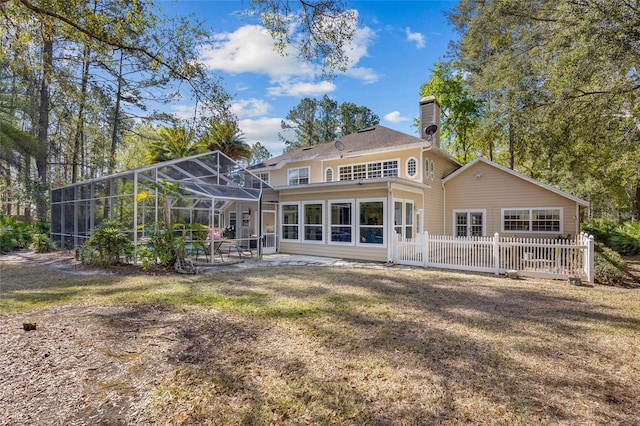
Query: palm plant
(226, 137)
(174, 142)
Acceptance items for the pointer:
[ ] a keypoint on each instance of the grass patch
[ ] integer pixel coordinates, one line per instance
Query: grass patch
(284, 345)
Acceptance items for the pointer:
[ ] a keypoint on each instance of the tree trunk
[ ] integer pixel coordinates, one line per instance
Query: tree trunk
(78, 144)
(43, 123)
(116, 121)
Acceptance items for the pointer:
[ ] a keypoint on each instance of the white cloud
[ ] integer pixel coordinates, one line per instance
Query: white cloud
(417, 38)
(265, 131)
(301, 89)
(395, 117)
(183, 112)
(250, 49)
(367, 75)
(249, 107)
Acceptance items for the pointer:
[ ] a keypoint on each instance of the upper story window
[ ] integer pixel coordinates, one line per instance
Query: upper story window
(369, 170)
(532, 220)
(328, 175)
(429, 169)
(412, 167)
(299, 176)
(256, 181)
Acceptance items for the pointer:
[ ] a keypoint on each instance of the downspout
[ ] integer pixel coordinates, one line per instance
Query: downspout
(444, 208)
(390, 226)
(577, 225)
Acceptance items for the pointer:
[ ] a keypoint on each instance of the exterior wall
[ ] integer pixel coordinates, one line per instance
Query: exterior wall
(488, 189)
(434, 198)
(326, 248)
(279, 177)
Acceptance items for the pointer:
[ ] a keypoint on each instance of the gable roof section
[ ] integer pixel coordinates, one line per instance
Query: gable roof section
(369, 140)
(466, 167)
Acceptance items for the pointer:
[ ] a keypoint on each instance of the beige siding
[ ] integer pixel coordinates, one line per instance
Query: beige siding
(317, 169)
(434, 198)
(326, 248)
(483, 187)
(337, 251)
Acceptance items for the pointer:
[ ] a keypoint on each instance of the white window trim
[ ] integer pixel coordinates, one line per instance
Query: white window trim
(267, 174)
(432, 170)
(329, 169)
(403, 216)
(353, 223)
(406, 166)
(381, 162)
(323, 215)
(530, 231)
(282, 224)
(299, 168)
(385, 215)
(484, 219)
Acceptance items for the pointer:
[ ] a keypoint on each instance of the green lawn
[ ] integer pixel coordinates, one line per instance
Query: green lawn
(304, 345)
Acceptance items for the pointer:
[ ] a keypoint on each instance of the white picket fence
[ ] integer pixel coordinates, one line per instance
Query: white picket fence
(536, 257)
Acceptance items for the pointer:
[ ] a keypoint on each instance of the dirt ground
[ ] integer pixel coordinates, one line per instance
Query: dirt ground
(98, 365)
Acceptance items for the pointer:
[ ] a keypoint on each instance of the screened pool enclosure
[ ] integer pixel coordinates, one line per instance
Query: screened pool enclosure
(206, 197)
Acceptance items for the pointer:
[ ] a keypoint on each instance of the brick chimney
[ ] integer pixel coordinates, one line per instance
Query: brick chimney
(430, 120)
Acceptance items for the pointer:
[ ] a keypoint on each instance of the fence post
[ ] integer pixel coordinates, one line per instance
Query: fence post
(496, 253)
(425, 249)
(396, 243)
(591, 273)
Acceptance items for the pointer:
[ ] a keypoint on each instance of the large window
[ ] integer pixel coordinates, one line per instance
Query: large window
(290, 222)
(369, 170)
(299, 176)
(532, 220)
(341, 222)
(313, 213)
(371, 222)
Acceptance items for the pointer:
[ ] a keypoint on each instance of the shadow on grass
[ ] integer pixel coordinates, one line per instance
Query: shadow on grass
(328, 345)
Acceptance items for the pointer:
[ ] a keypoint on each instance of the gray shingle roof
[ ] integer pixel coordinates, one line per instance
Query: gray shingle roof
(368, 139)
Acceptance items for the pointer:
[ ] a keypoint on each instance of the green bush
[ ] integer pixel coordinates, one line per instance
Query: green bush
(110, 243)
(14, 234)
(41, 243)
(609, 266)
(623, 237)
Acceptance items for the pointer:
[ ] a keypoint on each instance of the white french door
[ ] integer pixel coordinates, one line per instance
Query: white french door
(468, 223)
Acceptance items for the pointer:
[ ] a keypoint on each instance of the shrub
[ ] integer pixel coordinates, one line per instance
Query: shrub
(41, 243)
(110, 243)
(14, 234)
(609, 266)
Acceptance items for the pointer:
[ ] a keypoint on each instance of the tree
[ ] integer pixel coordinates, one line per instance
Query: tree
(353, 118)
(560, 86)
(462, 111)
(259, 154)
(175, 142)
(316, 122)
(224, 135)
(319, 30)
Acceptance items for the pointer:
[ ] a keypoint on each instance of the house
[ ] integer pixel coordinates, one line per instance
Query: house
(348, 198)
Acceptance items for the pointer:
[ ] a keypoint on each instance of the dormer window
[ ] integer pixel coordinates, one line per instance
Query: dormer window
(299, 176)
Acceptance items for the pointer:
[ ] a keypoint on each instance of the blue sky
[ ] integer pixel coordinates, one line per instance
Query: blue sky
(396, 45)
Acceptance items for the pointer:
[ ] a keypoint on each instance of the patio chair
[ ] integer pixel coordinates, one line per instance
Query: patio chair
(217, 245)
